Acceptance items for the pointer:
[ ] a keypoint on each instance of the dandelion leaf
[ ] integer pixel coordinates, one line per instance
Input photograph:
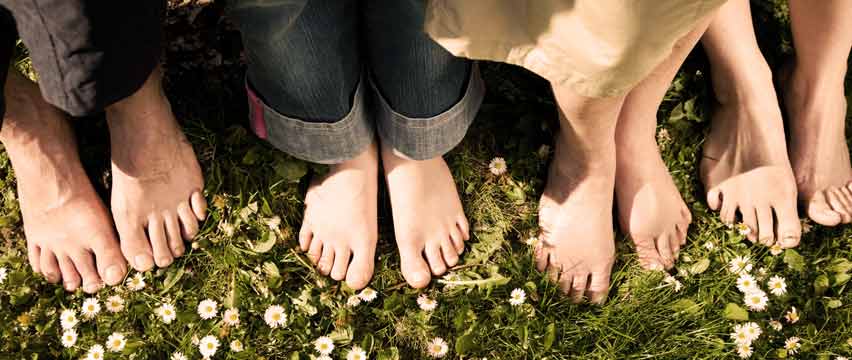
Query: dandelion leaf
(735, 312)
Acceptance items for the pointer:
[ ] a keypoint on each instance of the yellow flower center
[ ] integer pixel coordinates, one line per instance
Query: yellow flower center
(276, 317)
(167, 312)
(209, 309)
(91, 308)
(233, 317)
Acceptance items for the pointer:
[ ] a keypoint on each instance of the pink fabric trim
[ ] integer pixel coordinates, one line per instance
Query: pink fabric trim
(258, 123)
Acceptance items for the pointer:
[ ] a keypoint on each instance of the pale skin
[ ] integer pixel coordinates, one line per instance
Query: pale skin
(745, 167)
(70, 236)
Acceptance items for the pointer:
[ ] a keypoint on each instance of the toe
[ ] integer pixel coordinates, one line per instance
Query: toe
(70, 276)
(50, 266)
(361, 269)
(199, 205)
(765, 226)
(326, 260)
(578, 288)
(682, 230)
(820, 212)
(305, 236)
(750, 220)
(111, 265)
(456, 240)
(414, 268)
(464, 227)
(789, 229)
(34, 256)
(566, 281)
(136, 248)
(341, 263)
(448, 250)
(665, 250)
(674, 244)
(714, 199)
(159, 241)
(646, 251)
(173, 232)
(541, 257)
(840, 204)
(728, 214)
(436, 260)
(85, 265)
(188, 222)
(315, 251)
(598, 287)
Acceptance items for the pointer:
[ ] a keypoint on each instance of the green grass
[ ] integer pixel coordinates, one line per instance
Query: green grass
(242, 262)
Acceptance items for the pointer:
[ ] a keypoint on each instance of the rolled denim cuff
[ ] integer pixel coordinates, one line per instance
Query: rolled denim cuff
(318, 142)
(426, 138)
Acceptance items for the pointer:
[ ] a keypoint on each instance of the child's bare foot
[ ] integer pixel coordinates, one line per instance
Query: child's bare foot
(341, 221)
(745, 166)
(429, 222)
(68, 230)
(575, 215)
(818, 149)
(650, 208)
(156, 180)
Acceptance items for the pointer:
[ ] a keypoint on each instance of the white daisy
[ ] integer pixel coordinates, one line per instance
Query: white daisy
(114, 304)
(740, 335)
(740, 264)
(69, 338)
(178, 356)
(68, 319)
(136, 282)
(116, 342)
(368, 295)
(709, 245)
(3, 274)
(517, 297)
(324, 357)
(756, 300)
(743, 229)
(673, 282)
(96, 352)
(236, 346)
(353, 301)
(776, 249)
(324, 345)
(356, 354)
(744, 350)
(753, 331)
(497, 166)
(841, 358)
(208, 346)
(777, 285)
(207, 309)
(274, 223)
(425, 303)
(792, 345)
(746, 283)
(91, 307)
(231, 317)
(275, 316)
(437, 348)
(776, 325)
(167, 313)
(792, 315)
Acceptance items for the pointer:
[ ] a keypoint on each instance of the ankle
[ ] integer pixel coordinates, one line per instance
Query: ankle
(743, 85)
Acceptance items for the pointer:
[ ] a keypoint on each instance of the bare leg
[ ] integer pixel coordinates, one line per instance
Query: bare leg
(68, 230)
(813, 94)
(745, 166)
(575, 213)
(650, 209)
(156, 180)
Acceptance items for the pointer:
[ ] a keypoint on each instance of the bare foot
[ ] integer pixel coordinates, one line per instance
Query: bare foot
(576, 244)
(429, 223)
(68, 230)
(818, 149)
(341, 222)
(156, 180)
(745, 166)
(650, 208)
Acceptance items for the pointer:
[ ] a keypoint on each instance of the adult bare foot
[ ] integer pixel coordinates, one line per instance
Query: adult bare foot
(68, 230)
(341, 222)
(156, 180)
(650, 208)
(428, 217)
(576, 245)
(818, 150)
(745, 166)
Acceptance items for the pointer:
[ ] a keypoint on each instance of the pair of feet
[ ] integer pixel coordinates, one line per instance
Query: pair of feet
(339, 230)
(156, 197)
(745, 169)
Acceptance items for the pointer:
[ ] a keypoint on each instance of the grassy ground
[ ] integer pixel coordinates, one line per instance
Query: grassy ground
(247, 261)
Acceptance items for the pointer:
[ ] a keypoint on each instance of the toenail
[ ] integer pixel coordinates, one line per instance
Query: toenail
(91, 287)
(143, 261)
(113, 274)
(70, 286)
(165, 261)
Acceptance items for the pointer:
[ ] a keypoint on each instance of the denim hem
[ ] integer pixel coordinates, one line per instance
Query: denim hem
(318, 142)
(426, 138)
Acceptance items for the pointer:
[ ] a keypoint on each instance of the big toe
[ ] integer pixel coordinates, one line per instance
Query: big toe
(414, 268)
(820, 212)
(598, 286)
(360, 270)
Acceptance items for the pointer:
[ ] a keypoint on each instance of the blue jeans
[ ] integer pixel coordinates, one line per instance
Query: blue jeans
(325, 76)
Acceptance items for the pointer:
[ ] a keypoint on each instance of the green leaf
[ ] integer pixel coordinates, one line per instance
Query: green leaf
(735, 312)
(686, 306)
(820, 284)
(271, 270)
(549, 336)
(172, 277)
(794, 260)
(841, 279)
(391, 353)
(840, 265)
(465, 344)
(700, 266)
(269, 240)
(290, 170)
(834, 304)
